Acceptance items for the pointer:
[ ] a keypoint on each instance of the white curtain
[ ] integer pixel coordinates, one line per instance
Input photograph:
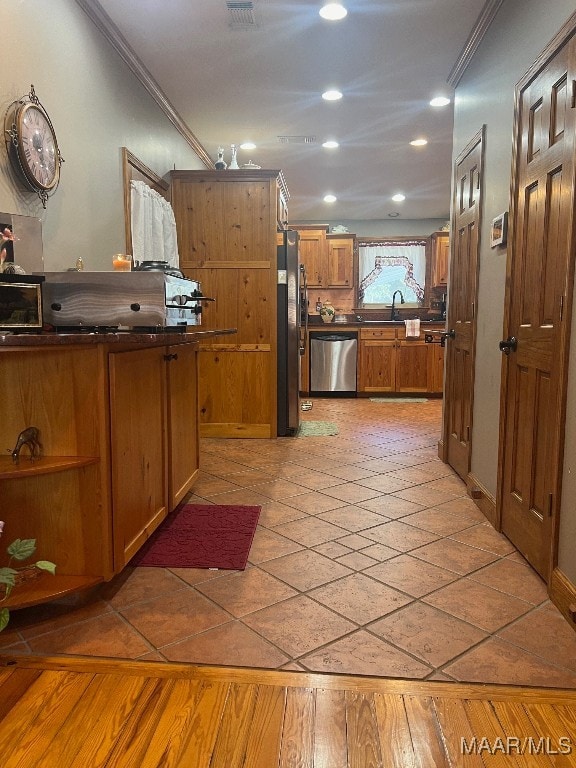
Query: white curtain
(153, 226)
(388, 266)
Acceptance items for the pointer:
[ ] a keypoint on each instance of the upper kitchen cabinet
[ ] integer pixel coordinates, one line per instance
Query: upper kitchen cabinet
(340, 261)
(312, 245)
(329, 259)
(227, 225)
(440, 259)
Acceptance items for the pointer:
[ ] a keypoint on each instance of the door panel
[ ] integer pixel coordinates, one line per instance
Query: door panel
(462, 291)
(539, 273)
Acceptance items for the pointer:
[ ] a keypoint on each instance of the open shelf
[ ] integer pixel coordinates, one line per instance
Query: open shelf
(42, 466)
(46, 588)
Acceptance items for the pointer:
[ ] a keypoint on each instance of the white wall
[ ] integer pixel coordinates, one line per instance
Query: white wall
(97, 106)
(385, 227)
(485, 95)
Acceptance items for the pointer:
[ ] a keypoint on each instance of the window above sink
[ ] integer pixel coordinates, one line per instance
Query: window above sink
(387, 266)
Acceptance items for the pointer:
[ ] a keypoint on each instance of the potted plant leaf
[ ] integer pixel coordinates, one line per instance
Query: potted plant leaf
(19, 550)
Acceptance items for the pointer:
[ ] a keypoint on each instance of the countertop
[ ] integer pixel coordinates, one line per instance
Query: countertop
(50, 338)
(316, 325)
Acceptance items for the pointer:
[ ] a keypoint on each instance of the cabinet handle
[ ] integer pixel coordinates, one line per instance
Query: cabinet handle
(171, 357)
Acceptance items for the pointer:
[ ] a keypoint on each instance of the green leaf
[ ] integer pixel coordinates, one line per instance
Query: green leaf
(46, 565)
(20, 549)
(7, 576)
(4, 618)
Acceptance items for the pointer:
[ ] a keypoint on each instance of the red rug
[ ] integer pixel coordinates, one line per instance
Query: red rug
(202, 536)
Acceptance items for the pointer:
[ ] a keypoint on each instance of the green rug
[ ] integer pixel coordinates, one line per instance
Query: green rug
(317, 429)
(399, 399)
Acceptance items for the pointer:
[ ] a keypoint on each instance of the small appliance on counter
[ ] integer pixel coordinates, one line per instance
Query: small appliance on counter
(21, 302)
(140, 300)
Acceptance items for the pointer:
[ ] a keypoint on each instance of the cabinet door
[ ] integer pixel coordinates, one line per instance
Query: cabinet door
(414, 367)
(440, 259)
(138, 422)
(312, 245)
(183, 420)
(377, 366)
(340, 260)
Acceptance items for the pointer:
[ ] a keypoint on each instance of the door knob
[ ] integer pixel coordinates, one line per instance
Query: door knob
(508, 345)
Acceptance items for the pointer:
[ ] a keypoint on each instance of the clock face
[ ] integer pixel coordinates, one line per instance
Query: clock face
(37, 147)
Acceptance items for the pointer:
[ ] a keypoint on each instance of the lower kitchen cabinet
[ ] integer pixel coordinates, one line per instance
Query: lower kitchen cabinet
(377, 353)
(139, 451)
(119, 432)
(154, 439)
(388, 362)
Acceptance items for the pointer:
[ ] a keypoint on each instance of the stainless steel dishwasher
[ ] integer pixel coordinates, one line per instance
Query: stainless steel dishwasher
(333, 363)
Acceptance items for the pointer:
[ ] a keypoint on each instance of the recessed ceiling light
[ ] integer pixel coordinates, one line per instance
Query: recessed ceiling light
(333, 11)
(419, 142)
(330, 144)
(330, 198)
(248, 145)
(398, 198)
(331, 95)
(439, 101)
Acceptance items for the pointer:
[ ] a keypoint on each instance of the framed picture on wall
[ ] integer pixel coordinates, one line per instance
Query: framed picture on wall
(499, 230)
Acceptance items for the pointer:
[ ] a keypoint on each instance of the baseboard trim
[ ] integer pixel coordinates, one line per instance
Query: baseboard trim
(483, 499)
(563, 594)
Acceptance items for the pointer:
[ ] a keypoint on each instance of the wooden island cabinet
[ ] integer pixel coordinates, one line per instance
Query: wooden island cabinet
(117, 416)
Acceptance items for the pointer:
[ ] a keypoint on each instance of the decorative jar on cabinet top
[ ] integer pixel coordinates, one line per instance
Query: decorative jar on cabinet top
(327, 312)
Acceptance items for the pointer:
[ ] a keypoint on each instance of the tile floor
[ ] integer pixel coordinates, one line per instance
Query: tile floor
(369, 558)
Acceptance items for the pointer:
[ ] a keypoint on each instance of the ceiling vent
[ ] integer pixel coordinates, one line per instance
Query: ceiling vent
(297, 139)
(241, 14)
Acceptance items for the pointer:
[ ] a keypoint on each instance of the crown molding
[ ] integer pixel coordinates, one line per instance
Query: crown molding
(491, 8)
(110, 31)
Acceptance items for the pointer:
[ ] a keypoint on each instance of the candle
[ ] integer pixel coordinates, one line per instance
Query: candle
(122, 262)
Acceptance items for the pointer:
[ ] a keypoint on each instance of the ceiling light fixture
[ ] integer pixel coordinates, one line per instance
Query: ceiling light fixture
(330, 144)
(419, 142)
(331, 95)
(248, 145)
(439, 101)
(398, 198)
(330, 198)
(333, 11)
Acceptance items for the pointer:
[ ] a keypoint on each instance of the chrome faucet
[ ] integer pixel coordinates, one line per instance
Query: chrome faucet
(394, 311)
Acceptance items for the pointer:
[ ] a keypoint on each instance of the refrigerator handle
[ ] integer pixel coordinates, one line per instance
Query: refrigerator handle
(304, 299)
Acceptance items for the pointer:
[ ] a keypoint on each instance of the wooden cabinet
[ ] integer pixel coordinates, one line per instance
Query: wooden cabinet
(413, 366)
(388, 362)
(227, 237)
(312, 245)
(118, 427)
(340, 261)
(440, 259)
(377, 360)
(329, 259)
(154, 440)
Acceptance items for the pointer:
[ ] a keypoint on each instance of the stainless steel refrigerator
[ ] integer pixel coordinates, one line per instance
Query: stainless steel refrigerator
(292, 326)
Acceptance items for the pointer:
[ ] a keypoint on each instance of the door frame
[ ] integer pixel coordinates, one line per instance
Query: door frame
(478, 138)
(567, 31)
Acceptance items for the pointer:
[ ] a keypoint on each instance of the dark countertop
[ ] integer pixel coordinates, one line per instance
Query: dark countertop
(315, 325)
(49, 338)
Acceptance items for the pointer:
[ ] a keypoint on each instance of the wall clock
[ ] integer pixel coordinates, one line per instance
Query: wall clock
(32, 145)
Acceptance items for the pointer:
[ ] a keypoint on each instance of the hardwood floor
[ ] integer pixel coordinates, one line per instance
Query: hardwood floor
(79, 712)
